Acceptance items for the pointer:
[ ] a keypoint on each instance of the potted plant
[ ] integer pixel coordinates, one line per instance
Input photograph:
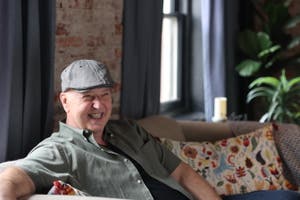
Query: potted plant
(282, 96)
(267, 48)
(264, 46)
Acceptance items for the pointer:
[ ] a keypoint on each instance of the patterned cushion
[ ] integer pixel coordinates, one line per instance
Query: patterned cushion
(236, 165)
(61, 188)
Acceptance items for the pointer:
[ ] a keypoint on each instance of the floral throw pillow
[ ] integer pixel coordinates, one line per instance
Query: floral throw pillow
(236, 165)
(61, 188)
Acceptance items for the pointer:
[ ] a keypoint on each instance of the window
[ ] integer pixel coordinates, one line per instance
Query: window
(170, 60)
(172, 95)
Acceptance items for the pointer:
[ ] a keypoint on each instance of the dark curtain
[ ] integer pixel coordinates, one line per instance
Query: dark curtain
(233, 85)
(27, 31)
(140, 94)
(219, 19)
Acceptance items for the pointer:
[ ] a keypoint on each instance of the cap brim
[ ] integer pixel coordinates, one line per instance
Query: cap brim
(82, 90)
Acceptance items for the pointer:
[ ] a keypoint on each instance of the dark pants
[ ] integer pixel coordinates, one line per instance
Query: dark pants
(265, 195)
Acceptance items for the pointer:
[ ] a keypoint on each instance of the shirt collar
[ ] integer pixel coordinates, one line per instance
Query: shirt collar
(84, 133)
(63, 127)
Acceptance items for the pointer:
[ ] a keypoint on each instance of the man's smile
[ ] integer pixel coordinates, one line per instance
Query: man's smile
(96, 115)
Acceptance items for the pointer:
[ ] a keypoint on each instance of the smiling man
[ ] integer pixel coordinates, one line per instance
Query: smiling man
(99, 156)
(87, 97)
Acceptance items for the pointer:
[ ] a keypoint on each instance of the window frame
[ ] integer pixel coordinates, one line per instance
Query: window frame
(183, 104)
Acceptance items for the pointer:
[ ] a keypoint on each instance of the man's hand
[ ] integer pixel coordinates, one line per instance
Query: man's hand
(194, 183)
(15, 183)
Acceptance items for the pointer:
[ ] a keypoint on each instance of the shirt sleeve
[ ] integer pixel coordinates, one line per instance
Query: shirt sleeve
(46, 163)
(167, 159)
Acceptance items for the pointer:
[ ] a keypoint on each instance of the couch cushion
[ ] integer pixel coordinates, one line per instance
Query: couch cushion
(61, 188)
(236, 165)
(287, 139)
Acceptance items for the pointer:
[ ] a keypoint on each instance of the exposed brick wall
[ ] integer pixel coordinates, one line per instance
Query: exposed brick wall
(89, 29)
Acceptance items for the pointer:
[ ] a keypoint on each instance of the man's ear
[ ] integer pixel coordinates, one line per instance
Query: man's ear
(64, 101)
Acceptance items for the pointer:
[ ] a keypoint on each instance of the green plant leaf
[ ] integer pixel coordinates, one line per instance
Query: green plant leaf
(272, 110)
(294, 107)
(248, 43)
(293, 82)
(297, 115)
(294, 42)
(277, 13)
(293, 22)
(252, 43)
(264, 41)
(248, 67)
(260, 92)
(268, 51)
(277, 97)
(271, 61)
(267, 80)
(264, 117)
(294, 93)
(283, 81)
(277, 115)
(295, 90)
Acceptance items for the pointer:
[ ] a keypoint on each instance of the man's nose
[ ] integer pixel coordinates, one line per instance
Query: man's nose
(97, 103)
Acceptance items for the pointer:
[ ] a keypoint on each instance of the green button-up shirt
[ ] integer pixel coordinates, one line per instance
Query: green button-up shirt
(73, 156)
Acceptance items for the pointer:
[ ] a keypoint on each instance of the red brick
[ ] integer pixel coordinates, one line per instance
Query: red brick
(61, 29)
(118, 29)
(101, 40)
(117, 87)
(88, 55)
(118, 53)
(74, 4)
(117, 5)
(88, 4)
(91, 41)
(59, 4)
(69, 41)
(95, 41)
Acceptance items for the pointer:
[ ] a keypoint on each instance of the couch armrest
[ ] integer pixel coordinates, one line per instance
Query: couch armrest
(161, 126)
(243, 127)
(204, 131)
(210, 131)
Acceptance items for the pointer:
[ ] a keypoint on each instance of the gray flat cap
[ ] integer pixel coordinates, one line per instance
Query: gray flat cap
(83, 75)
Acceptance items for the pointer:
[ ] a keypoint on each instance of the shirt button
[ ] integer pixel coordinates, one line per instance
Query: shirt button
(112, 135)
(139, 181)
(125, 160)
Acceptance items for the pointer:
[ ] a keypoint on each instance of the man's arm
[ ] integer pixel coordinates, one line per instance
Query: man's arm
(15, 183)
(194, 183)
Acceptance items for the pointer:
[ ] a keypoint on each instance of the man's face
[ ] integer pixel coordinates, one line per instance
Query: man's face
(88, 110)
